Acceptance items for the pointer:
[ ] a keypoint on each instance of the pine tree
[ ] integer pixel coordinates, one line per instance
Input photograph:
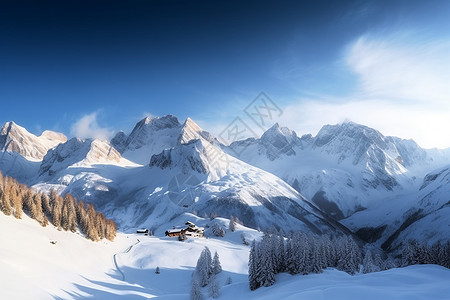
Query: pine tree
(316, 263)
(232, 224)
(409, 253)
(91, 230)
(216, 266)
(254, 267)
(5, 205)
(214, 287)
(203, 269)
(36, 211)
(267, 269)
(217, 230)
(157, 270)
(349, 257)
(17, 206)
(27, 201)
(368, 263)
(46, 204)
(57, 211)
(196, 292)
(388, 264)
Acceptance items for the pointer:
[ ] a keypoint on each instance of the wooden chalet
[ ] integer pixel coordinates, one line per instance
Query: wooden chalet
(144, 231)
(191, 230)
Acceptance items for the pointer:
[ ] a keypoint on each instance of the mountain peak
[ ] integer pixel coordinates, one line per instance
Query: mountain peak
(14, 138)
(189, 131)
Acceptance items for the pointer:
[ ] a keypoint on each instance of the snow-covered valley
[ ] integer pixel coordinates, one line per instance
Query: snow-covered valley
(75, 268)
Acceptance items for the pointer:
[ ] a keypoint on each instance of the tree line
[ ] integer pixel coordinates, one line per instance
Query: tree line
(415, 253)
(65, 213)
(303, 253)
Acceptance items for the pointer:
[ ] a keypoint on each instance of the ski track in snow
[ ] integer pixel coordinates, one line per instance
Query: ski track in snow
(126, 251)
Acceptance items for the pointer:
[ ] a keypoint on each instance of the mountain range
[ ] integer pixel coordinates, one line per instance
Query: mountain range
(348, 177)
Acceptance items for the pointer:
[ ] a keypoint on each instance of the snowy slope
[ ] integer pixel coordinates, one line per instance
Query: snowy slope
(33, 268)
(86, 168)
(75, 268)
(421, 214)
(345, 168)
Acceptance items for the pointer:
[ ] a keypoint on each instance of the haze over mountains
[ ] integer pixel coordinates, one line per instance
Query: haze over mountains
(348, 177)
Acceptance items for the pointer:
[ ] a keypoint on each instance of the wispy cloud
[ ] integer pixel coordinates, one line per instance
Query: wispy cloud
(404, 66)
(88, 127)
(402, 89)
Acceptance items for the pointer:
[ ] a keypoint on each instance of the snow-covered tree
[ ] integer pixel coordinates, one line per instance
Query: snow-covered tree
(349, 257)
(267, 261)
(368, 263)
(254, 267)
(228, 281)
(214, 287)
(217, 230)
(196, 292)
(244, 240)
(232, 224)
(216, 266)
(409, 253)
(157, 271)
(203, 270)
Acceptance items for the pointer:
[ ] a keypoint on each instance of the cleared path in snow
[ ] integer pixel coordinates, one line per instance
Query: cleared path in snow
(126, 251)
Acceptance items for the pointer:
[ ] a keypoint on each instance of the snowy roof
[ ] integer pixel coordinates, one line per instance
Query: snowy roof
(174, 230)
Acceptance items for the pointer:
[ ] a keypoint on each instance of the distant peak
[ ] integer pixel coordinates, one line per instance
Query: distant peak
(10, 125)
(147, 120)
(189, 131)
(276, 129)
(190, 123)
(54, 135)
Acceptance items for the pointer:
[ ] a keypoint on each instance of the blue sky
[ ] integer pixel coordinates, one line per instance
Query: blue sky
(90, 68)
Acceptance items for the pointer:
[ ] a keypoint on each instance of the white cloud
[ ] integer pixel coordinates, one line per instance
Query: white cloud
(403, 90)
(404, 67)
(88, 127)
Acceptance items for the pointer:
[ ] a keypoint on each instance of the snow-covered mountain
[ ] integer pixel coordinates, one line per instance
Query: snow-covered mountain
(152, 135)
(14, 138)
(22, 151)
(186, 173)
(78, 153)
(345, 168)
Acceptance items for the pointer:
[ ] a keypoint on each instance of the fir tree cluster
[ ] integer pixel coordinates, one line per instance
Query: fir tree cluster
(205, 275)
(217, 230)
(414, 253)
(63, 212)
(300, 254)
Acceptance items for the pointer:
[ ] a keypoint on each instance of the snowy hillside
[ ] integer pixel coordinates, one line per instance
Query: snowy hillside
(75, 268)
